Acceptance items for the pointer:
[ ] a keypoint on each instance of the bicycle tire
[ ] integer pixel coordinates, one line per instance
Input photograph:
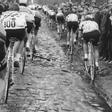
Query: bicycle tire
(60, 32)
(7, 83)
(22, 62)
(32, 48)
(92, 65)
(71, 47)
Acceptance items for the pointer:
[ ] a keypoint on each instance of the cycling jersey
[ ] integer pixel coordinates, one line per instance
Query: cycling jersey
(51, 13)
(13, 20)
(72, 17)
(29, 14)
(88, 26)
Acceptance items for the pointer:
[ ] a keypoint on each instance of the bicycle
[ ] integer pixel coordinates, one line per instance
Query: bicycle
(59, 30)
(90, 66)
(70, 49)
(10, 67)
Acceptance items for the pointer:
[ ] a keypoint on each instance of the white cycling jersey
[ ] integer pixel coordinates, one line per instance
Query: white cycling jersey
(51, 12)
(13, 20)
(88, 26)
(72, 18)
(29, 14)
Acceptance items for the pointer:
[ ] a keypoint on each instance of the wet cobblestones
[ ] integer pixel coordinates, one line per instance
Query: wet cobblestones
(46, 87)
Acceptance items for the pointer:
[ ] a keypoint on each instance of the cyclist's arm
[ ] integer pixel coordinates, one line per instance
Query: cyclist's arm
(2, 32)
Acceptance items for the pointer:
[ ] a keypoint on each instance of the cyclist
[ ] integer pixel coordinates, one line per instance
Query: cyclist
(37, 18)
(15, 28)
(29, 15)
(52, 17)
(60, 20)
(72, 24)
(90, 31)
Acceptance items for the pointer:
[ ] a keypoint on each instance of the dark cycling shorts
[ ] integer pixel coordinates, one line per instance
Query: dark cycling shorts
(53, 17)
(60, 19)
(37, 22)
(30, 26)
(94, 36)
(19, 34)
(72, 25)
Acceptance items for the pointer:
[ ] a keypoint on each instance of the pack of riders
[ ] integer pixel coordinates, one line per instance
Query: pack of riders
(83, 19)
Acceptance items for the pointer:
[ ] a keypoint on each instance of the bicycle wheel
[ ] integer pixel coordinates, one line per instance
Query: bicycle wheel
(92, 63)
(32, 48)
(22, 61)
(60, 32)
(7, 81)
(71, 47)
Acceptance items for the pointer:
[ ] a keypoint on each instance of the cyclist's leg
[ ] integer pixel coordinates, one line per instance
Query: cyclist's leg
(68, 37)
(63, 23)
(85, 46)
(58, 28)
(94, 37)
(19, 45)
(58, 24)
(96, 48)
(75, 27)
(30, 26)
(68, 32)
(52, 21)
(37, 25)
(96, 56)
(16, 46)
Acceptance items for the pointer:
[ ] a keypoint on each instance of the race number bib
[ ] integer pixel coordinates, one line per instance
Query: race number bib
(15, 21)
(9, 24)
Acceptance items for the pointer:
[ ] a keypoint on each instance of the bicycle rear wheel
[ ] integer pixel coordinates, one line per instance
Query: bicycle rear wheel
(92, 62)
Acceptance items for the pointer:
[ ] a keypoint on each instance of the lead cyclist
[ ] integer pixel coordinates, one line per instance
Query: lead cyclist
(15, 28)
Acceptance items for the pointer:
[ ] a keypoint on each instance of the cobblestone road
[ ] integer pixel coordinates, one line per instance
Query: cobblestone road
(51, 86)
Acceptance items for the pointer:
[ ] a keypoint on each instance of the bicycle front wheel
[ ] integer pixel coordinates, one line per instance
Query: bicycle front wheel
(22, 62)
(7, 81)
